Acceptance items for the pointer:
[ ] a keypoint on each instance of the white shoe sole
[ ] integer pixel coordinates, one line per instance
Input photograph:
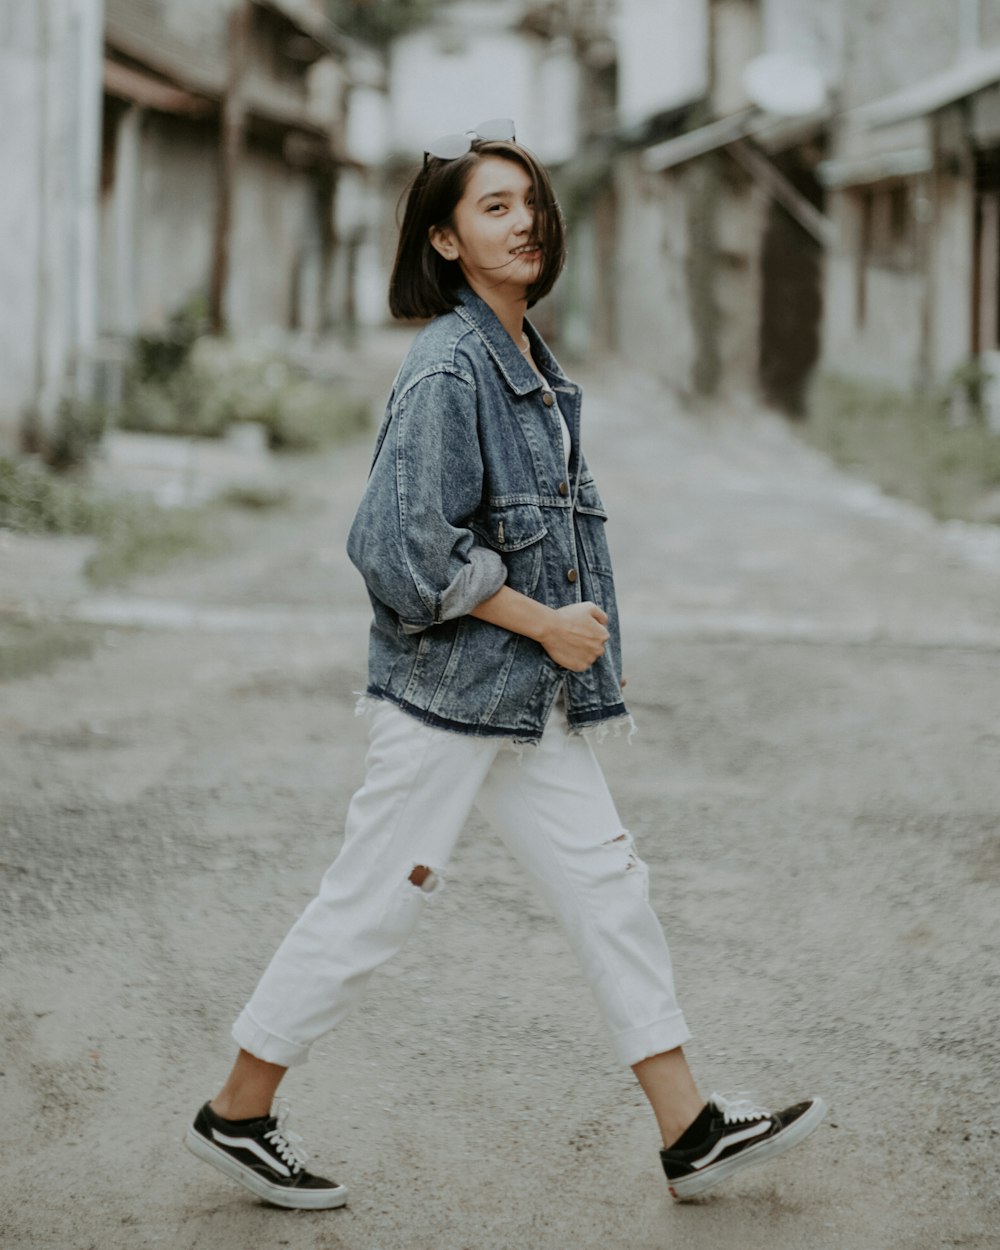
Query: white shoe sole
(295, 1199)
(798, 1130)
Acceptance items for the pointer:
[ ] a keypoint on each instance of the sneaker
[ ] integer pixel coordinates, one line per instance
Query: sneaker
(730, 1134)
(262, 1155)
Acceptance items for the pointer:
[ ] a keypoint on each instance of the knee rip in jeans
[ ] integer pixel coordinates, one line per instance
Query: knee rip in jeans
(624, 842)
(424, 879)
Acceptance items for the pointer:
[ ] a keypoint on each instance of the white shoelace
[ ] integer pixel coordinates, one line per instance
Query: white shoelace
(739, 1108)
(287, 1144)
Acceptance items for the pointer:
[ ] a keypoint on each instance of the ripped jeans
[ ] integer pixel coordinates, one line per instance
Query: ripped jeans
(550, 805)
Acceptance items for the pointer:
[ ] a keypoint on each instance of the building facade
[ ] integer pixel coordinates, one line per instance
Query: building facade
(50, 99)
(168, 154)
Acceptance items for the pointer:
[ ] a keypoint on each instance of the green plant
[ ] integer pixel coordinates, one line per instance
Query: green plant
(133, 535)
(258, 498)
(969, 381)
(309, 415)
(157, 357)
(34, 501)
(220, 383)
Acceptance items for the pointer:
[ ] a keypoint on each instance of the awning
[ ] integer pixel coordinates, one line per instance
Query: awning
(977, 71)
(699, 142)
(865, 169)
(139, 88)
(744, 136)
(765, 129)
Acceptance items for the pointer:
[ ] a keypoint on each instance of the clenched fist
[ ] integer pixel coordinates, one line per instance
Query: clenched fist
(576, 635)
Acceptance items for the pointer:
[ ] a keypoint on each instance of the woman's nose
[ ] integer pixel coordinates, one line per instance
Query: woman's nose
(525, 219)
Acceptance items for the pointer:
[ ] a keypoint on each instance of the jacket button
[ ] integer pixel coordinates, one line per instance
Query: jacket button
(548, 399)
(571, 575)
(564, 489)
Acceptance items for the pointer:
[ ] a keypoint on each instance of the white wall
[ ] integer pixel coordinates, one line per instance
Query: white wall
(444, 80)
(663, 55)
(654, 324)
(813, 32)
(50, 64)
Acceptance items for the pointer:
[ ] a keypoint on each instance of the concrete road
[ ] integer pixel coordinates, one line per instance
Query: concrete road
(815, 672)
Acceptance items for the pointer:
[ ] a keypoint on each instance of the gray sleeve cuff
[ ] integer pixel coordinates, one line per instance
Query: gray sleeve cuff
(477, 580)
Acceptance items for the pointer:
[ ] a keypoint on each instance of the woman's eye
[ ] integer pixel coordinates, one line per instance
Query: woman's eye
(495, 208)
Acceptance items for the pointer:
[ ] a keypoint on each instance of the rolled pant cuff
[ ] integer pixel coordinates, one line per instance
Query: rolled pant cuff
(634, 1045)
(252, 1037)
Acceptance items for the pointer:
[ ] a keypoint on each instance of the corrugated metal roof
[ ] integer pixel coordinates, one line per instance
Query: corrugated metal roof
(978, 70)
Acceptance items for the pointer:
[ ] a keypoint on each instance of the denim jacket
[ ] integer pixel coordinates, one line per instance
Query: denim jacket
(469, 490)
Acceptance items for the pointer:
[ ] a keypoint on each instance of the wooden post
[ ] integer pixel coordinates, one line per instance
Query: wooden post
(231, 135)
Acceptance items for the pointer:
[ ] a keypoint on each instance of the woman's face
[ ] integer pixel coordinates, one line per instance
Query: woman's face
(491, 234)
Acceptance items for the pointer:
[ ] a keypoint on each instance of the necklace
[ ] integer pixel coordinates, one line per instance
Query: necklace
(526, 353)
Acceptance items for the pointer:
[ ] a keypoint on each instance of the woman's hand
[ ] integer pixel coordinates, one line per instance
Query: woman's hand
(575, 635)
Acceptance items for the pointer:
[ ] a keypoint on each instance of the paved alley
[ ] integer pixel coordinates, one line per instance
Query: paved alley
(815, 674)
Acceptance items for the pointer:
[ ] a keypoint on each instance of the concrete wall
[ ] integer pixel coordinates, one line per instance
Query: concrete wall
(275, 216)
(474, 67)
(655, 329)
(740, 220)
(810, 31)
(49, 146)
(890, 45)
(875, 314)
(172, 251)
(736, 39)
(950, 273)
(663, 55)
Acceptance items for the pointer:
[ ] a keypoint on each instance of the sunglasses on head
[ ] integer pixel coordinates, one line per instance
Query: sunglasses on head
(450, 147)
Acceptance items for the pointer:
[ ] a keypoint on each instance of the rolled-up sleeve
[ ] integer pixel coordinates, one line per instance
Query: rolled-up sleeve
(410, 539)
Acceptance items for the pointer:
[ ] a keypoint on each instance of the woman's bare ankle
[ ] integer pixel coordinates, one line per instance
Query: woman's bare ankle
(249, 1089)
(230, 1108)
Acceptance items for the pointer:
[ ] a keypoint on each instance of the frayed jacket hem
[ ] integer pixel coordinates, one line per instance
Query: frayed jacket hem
(596, 728)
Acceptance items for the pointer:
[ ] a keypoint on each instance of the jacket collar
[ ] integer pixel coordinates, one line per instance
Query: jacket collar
(514, 369)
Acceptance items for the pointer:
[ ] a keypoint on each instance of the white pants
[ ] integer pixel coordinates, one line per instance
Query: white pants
(550, 805)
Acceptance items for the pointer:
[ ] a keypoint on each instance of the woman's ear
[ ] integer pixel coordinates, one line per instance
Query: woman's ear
(442, 240)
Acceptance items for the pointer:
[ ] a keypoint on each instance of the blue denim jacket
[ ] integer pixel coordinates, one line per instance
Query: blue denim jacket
(469, 489)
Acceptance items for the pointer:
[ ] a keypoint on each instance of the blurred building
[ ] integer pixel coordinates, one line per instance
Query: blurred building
(50, 109)
(168, 154)
(864, 237)
(913, 179)
(721, 228)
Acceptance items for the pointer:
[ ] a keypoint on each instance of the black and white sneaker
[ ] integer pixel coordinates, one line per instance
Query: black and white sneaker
(730, 1134)
(265, 1157)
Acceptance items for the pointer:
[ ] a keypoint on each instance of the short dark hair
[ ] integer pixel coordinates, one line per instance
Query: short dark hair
(423, 283)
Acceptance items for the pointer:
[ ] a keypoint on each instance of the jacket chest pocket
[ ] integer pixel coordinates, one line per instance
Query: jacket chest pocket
(516, 532)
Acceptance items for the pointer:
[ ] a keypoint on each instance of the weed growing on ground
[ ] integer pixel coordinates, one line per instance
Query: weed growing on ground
(32, 646)
(906, 444)
(134, 535)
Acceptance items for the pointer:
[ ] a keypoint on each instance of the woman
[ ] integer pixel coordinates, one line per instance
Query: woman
(481, 540)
